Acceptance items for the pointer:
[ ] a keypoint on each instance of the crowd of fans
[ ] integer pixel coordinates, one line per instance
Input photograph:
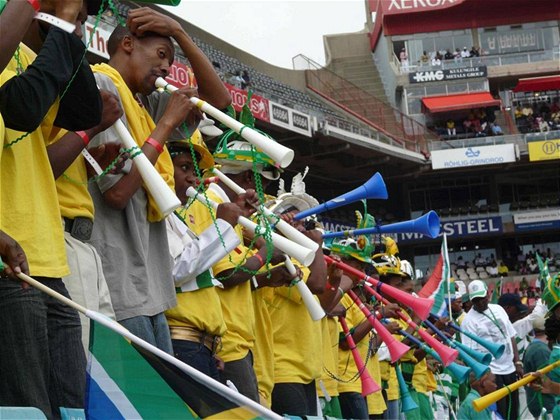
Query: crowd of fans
(477, 123)
(538, 117)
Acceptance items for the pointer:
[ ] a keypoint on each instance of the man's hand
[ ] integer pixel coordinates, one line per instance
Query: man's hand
(277, 255)
(334, 274)
(180, 108)
(104, 155)
(393, 327)
(544, 384)
(390, 310)
(67, 10)
(519, 370)
(248, 202)
(144, 20)
(338, 310)
(229, 212)
(13, 257)
(279, 276)
(112, 111)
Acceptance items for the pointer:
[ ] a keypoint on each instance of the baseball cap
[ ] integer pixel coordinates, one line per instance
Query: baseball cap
(238, 156)
(512, 299)
(477, 289)
(183, 146)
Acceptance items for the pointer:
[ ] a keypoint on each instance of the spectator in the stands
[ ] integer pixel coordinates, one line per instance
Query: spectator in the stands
(461, 262)
(436, 61)
(448, 55)
(474, 52)
(457, 55)
(403, 57)
(493, 270)
(465, 53)
(503, 270)
(246, 80)
(527, 110)
(496, 129)
(237, 80)
(451, 130)
(424, 59)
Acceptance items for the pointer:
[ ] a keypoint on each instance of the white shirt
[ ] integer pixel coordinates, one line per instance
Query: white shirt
(484, 326)
(193, 255)
(524, 326)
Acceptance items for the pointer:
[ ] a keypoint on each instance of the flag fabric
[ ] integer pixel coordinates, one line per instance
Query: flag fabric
(439, 286)
(497, 292)
(128, 378)
(544, 274)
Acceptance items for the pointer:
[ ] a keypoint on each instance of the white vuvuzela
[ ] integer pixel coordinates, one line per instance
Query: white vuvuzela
(276, 151)
(314, 308)
(163, 195)
(302, 254)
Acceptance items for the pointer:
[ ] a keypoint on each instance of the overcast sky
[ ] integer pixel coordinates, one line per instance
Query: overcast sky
(273, 30)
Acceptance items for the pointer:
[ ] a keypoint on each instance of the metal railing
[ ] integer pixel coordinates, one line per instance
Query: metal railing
(519, 139)
(485, 60)
(392, 123)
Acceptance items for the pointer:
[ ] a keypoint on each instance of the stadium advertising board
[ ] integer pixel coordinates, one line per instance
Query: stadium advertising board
(259, 105)
(333, 225)
(447, 74)
(181, 75)
(473, 156)
(296, 121)
(537, 220)
(391, 7)
(544, 150)
(98, 40)
(458, 228)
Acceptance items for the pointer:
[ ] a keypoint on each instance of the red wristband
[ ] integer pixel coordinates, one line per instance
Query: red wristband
(83, 135)
(155, 144)
(35, 4)
(259, 258)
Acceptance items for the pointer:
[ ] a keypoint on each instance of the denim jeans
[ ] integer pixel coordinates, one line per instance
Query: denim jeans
(353, 405)
(42, 361)
(242, 374)
(295, 399)
(153, 329)
(196, 355)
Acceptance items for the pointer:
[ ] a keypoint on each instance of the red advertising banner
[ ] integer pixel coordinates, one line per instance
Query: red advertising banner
(181, 75)
(259, 105)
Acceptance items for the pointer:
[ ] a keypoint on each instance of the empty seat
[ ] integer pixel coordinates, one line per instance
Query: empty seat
(473, 276)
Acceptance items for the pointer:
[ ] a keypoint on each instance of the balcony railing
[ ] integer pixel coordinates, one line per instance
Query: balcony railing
(485, 60)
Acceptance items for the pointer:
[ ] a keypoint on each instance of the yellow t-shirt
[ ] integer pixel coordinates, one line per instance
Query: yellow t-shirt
(263, 352)
(347, 368)
(420, 376)
(329, 329)
(297, 338)
(29, 210)
(73, 195)
(431, 383)
(375, 401)
(237, 302)
(200, 309)
(389, 375)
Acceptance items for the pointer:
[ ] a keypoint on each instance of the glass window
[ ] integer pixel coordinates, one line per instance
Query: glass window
(414, 106)
(457, 88)
(435, 89)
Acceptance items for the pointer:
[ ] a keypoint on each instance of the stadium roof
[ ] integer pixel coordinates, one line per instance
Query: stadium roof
(435, 104)
(538, 84)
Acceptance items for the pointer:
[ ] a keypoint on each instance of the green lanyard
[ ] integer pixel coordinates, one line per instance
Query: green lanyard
(495, 322)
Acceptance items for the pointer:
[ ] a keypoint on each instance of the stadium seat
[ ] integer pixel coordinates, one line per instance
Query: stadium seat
(473, 276)
(27, 413)
(480, 269)
(483, 275)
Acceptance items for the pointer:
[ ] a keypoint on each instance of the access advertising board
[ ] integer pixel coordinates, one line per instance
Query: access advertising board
(544, 150)
(444, 75)
(537, 220)
(473, 156)
(484, 226)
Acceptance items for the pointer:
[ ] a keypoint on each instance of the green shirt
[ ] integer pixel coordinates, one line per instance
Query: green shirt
(536, 357)
(467, 411)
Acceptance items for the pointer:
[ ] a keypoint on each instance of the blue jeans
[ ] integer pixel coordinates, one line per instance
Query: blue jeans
(42, 360)
(153, 329)
(295, 399)
(353, 405)
(242, 374)
(196, 355)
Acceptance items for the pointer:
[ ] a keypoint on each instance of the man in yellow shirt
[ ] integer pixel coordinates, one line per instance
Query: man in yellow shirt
(129, 231)
(297, 338)
(197, 322)
(237, 270)
(39, 334)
